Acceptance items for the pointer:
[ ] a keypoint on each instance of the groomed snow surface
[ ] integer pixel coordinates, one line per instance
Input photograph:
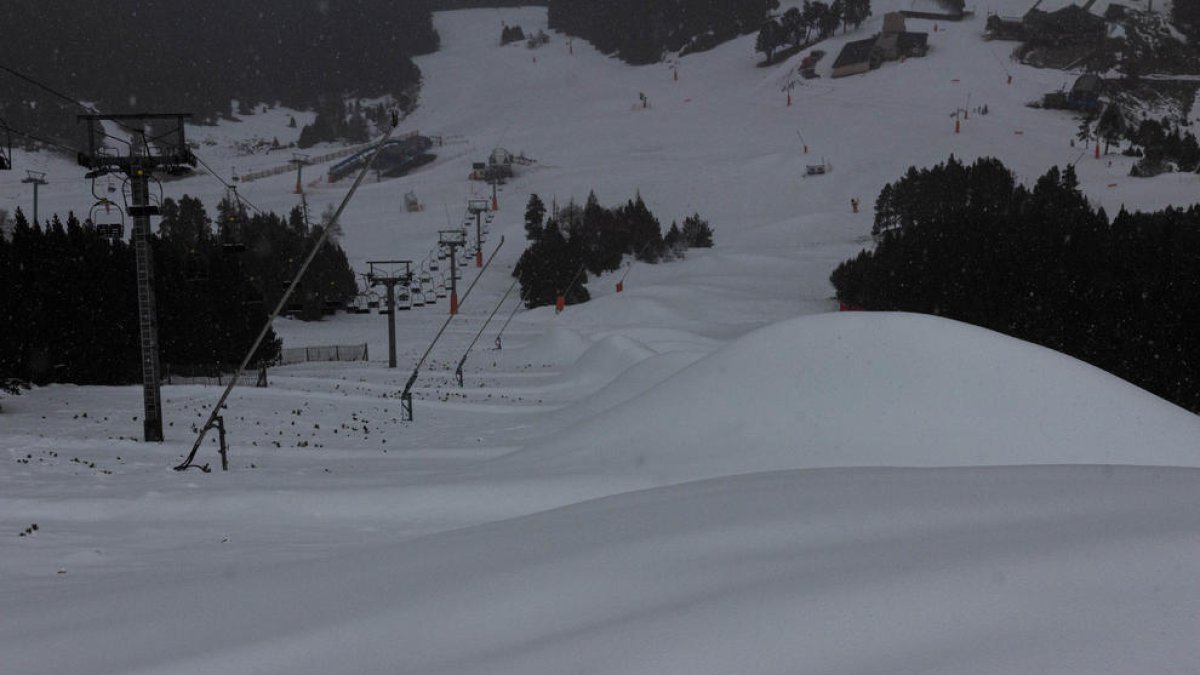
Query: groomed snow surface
(711, 472)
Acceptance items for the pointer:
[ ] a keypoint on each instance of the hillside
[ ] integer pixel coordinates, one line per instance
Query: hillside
(712, 471)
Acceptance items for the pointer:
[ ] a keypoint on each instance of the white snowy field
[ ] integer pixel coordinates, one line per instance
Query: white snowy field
(711, 472)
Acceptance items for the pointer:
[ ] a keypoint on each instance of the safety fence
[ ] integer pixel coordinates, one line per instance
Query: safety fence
(293, 355)
(284, 168)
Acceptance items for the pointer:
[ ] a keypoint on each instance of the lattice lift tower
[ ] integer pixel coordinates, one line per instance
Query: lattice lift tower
(166, 153)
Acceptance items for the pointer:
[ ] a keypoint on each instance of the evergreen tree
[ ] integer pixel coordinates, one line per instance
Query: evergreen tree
(793, 29)
(697, 233)
(673, 241)
(1111, 126)
(550, 267)
(855, 12)
(535, 215)
(1043, 265)
(770, 36)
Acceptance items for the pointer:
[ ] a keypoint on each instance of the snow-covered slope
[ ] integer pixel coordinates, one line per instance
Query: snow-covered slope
(874, 389)
(504, 531)
(1002, 570)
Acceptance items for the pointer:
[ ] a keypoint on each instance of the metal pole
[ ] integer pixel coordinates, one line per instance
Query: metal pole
(453, 281)
(478, 240)
(391, 301)
(139, 182)
(38, 179)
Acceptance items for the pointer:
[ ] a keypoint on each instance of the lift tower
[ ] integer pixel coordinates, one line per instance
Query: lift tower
(453, 240)
(477, 207)
(37, 179)
(388, 273)
(168, 153)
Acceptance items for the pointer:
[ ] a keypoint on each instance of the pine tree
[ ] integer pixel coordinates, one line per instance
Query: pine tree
(769, 39)
(793, 29)
(535, 214)
(696, 232)
(1111, 126)
(673, 241)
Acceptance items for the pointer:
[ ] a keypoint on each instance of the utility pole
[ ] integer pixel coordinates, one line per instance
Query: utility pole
(167, 153)
(452, 239)
(299, 160)
(37, 179)
(387, 273)
(477, 207)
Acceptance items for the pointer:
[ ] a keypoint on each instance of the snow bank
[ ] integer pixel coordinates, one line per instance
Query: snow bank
(875, 389)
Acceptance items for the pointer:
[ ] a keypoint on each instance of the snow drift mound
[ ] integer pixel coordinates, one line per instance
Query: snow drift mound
(874, 389)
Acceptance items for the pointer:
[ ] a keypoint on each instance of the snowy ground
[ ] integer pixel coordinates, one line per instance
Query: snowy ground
(710, 472)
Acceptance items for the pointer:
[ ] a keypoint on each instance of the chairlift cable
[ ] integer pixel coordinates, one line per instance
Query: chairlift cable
(39, 139)
(227, 185)
(59, 94)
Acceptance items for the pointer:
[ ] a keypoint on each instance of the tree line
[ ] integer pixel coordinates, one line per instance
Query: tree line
(969, 243)
(70, 307)
(165, 56)
(798, 24)
(642, 31)
(575, 241)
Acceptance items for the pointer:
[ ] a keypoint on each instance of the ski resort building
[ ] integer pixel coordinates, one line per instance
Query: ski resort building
(856, 57)
(892, 44)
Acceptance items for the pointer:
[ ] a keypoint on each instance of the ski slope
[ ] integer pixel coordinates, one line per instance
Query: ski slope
(711, 472)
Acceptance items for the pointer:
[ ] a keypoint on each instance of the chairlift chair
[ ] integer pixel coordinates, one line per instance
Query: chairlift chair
(403, 298)
(372, 300)
(359, 304)
(108, 220)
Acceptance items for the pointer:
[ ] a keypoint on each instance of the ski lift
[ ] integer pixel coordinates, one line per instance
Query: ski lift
(426, 278)
(433, 265)
(372, 300)
(418, 298)
(154, 200)
(359, 305)
(403, 298)
(109, 222)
